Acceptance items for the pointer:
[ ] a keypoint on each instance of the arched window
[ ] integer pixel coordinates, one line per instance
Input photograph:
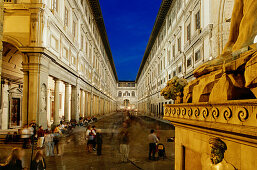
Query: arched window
(119, 94)
(133, 94)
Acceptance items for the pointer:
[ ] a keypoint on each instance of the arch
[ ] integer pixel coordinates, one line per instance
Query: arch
(13, 41)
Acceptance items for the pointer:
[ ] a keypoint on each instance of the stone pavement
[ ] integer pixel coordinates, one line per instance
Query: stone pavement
(75, 156)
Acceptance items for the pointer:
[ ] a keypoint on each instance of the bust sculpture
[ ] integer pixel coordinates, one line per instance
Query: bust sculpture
(243, 30)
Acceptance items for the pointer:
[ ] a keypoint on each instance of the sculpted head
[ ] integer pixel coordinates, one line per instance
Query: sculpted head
(218, 148)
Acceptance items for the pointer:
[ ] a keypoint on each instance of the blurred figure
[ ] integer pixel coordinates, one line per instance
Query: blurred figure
(153, 140)
(94, 136)
(89, 138)
(49, 144)
(99, 142)
(56, 140)
(38, 162)
(40, 137)
(26, 134)
(14, 161)
(124, 142)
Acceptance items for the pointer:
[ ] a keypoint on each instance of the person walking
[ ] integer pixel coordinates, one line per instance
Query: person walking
(124, 143)
(38, 162)
(14, 161)
(99, 142)
(153, 140)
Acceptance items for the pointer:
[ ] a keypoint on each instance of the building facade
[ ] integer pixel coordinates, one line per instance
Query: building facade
(57, 62)
(186, 34)
(126, 95)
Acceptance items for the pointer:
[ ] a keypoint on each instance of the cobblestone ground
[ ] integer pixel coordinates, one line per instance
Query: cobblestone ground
(75, 156)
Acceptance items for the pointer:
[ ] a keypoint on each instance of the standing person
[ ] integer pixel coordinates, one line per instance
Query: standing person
(99, 142)
(124, 143)
(40, 137)
(38, 162)
(94, 140)
(14, 161)
(90, 139)
(153, 140)
(49, 144)
(56, 140)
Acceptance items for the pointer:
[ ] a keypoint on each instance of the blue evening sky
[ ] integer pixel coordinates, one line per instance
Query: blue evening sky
(129, 24)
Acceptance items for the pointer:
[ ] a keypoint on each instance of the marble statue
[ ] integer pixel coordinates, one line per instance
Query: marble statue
(243, 30)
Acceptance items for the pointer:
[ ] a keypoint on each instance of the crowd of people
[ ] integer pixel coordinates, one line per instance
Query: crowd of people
(48, 141)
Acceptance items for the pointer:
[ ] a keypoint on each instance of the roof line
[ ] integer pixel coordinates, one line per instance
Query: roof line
(97, 12)
(165, 6)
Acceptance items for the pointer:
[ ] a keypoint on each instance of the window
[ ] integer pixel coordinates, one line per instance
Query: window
(133, 94)
(82, 42)
(189, 62)
(198, 55)
(169, 76)
(119, 94)
(74, 29)
(179, 69)
(179, 44)
(198, 20)
(174, 73)
(66, 17)
(173, 51)
(188, 32)
(55, 5)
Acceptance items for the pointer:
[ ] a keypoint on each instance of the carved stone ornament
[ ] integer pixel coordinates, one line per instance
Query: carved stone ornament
(243, 114)
(205, 112)
(227, 113)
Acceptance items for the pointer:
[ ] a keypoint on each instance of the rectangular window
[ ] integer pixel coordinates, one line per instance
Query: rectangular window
(174, 73)
(189, 62)
(198, 20)
(66, 17)
(173, 51)
(179, 44)
(82, 42)
(188, 32)
(74, 29)
(179, 69)
(197, 55)
(55, 5)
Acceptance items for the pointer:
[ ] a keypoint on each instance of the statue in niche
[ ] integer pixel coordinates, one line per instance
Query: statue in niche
(243, 30)
(216, 161)
(43, 98)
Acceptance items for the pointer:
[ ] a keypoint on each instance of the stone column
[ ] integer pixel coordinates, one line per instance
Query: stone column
(25, 93)
(67, 103)
(5, 106)
(74, 103)
(86, 105)
(82, 102)
(56, 101)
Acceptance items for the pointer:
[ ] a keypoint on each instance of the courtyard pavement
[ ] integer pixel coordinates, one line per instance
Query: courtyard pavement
(75, 157)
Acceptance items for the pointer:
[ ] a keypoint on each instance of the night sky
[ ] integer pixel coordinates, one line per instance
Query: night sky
(129, 24)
